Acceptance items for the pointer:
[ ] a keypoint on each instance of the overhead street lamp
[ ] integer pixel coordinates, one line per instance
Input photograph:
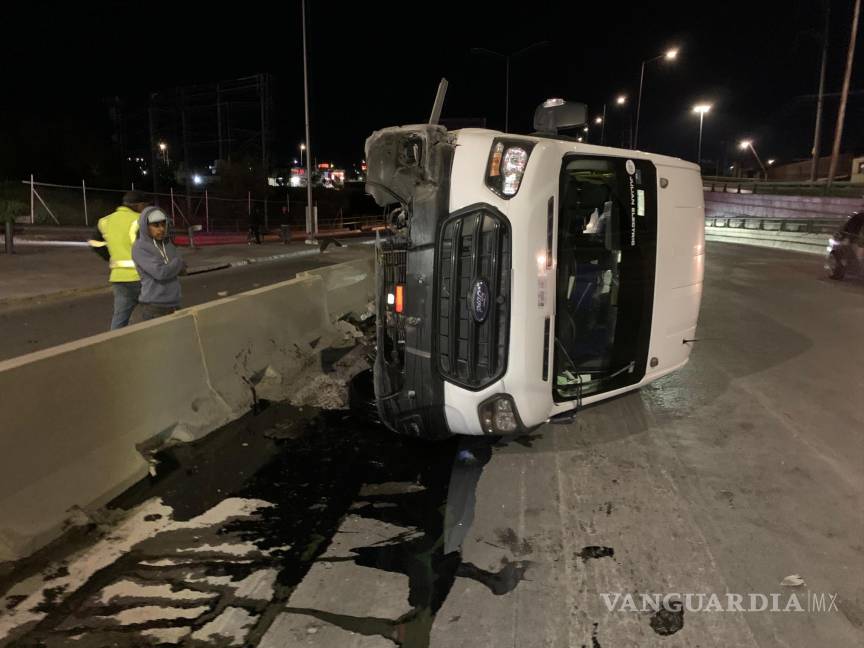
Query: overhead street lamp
(507, 58)
(163, 147)
(302, 148)
(744, 145)
(701, 109)
(670, 55)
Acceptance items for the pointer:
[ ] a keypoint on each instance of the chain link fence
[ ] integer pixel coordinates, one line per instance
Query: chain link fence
(83, 206)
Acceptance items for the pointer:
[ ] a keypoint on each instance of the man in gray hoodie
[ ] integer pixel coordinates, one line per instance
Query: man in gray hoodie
(158, 263)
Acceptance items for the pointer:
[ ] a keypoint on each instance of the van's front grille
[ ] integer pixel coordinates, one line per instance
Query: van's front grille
(474, 297)
(392, 261)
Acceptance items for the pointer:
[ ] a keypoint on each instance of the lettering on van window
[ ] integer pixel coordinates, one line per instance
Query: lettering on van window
(632, 183)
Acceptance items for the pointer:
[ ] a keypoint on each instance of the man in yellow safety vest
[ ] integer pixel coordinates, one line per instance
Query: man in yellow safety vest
(115, 234)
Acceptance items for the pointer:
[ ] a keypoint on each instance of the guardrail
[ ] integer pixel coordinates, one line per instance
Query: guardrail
(722, 184)
(798, 235)
(799, 225)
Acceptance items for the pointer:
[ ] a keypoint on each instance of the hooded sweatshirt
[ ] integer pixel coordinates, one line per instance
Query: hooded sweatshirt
(159, 265)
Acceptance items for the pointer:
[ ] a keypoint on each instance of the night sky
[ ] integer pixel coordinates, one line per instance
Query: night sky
(378, 64)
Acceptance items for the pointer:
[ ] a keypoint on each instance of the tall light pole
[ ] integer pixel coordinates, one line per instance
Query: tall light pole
(302, 148)
(701, 109)
(507, 58)
(744, 145)
(621, 100)
(311, 220)
(670, 55)
(602, 122)
(820, 101)
(844, 95)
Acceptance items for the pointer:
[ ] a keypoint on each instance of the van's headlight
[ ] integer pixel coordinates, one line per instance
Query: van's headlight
(498, 415)
(507, 162)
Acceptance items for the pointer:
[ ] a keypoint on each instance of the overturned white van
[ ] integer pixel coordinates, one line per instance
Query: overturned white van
(522, 277)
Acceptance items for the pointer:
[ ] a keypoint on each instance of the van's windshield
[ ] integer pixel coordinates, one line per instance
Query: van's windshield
(607, 235)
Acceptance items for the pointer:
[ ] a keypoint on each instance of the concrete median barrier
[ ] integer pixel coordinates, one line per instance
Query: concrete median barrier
(73, 416)
(796, 241)
(78, 419)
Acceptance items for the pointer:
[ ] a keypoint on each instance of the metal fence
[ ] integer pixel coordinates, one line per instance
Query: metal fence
(69, 205)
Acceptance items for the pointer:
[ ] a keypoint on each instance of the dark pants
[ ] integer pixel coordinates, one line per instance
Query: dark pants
(125, 300)
(152, 311)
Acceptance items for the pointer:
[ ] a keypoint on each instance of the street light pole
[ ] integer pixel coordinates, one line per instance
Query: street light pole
(621, 100)
(507, 97)
(639, 102)
(311, 221)
(507, 58)
(701, 109)
(603, 126)
(745, 144)
(699, 148)
(669, 55)
(844, 95)
(817, 130)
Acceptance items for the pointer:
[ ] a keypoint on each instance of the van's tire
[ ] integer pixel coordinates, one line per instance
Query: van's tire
(834, 267)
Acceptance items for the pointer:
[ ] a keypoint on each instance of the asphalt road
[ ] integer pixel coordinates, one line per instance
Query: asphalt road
(293, 528)
(34, 325)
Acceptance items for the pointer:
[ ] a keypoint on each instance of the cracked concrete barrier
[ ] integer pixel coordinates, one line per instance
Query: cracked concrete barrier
(349, 286)
(73, 417)
(255, 342)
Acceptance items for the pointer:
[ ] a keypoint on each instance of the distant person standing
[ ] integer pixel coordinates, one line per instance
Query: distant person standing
(158, 263)
(254, 235)
(115, 234)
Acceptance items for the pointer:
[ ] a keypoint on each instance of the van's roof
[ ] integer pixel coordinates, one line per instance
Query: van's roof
(581, 147)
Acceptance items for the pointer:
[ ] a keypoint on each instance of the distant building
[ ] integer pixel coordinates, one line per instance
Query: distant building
(800, 171)
(858, 170)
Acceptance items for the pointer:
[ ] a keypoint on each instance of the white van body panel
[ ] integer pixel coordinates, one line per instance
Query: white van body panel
(678, 279)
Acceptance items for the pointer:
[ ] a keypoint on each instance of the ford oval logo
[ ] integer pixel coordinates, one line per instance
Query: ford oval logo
(479, 300)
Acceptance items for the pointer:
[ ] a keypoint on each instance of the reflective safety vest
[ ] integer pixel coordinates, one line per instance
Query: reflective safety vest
(119, 231)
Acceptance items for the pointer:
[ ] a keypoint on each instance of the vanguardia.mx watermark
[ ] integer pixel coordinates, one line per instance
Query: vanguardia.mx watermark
(809, 602)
